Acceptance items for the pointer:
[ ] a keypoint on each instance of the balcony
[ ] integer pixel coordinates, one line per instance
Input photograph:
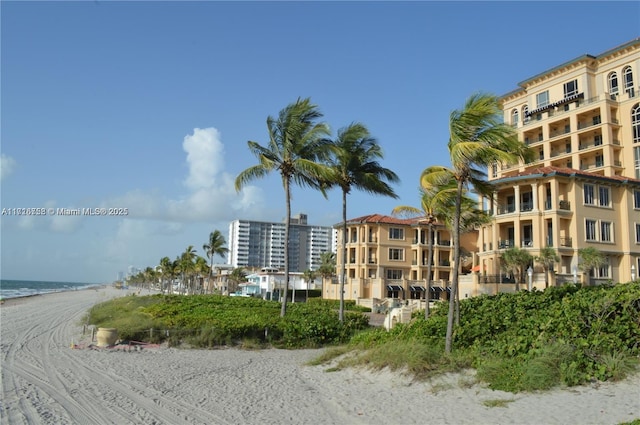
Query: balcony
(507, 209)
(565, 205)
(526, 243)
(504, 244)
(565, 242)
(526, 206)
(443, 243)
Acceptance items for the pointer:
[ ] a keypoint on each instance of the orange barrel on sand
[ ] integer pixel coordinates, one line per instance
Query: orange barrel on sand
(106, 337)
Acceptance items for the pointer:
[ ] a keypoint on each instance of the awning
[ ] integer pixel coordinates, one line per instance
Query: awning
(475, 268)
(417, 288)
(437, 289)
(394, 288)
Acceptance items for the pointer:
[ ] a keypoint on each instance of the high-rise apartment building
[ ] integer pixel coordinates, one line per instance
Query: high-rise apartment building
(582, 119)
(258, 244)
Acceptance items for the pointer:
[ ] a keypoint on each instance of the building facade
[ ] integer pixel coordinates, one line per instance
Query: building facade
(257, 244)
(582, 120)
(386, 257)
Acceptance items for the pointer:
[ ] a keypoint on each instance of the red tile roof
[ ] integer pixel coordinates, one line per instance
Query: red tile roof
(383, 219)
(569, 172)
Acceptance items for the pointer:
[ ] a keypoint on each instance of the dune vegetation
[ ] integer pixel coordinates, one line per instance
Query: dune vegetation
(524, 341)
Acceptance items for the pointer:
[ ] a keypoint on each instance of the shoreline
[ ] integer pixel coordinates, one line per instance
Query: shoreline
(46, 380)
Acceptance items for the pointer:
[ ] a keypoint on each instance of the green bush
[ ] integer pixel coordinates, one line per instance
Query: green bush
(206, 321)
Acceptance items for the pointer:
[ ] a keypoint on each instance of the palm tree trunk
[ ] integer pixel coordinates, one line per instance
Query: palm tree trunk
(429, 269)
(287, 195)
(343, 272)
(456, 266)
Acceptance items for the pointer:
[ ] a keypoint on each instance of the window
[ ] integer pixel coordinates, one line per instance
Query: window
(599, 161)
(605, 231)
(635, 123)
(636, 199)
(394, 274)
(514, 117)
(603, 191)
(597, 139)
(542, 99)
(588, 194)
(638, 235)
(395, 233)
(603, 270)
(636, 162)
(494, 170)
(613, 83)
(627, 78)
(590, 230)
(396, 254)
(525, 114)
(570, 88)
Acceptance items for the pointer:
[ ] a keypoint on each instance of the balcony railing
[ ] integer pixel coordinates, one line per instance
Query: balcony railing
(506, 209)
(565, 205)
(504, 244)
(526, 206)
(565, 241)
(527, 243)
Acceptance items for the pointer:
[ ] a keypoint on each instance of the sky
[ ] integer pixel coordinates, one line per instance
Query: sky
(148, 107)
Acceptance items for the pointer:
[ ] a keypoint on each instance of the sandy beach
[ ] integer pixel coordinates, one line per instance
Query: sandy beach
(46, 381)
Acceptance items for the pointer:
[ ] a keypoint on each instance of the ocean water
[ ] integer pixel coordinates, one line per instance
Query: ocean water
(25, 288)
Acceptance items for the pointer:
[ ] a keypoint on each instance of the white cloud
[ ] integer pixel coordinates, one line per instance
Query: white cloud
(7, 166)
(211, 194)
(205, 153)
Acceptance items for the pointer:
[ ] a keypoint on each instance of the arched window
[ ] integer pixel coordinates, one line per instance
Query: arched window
(514, 117)
(525, 111)
(627, 77)
(635, 123)
(613, 83)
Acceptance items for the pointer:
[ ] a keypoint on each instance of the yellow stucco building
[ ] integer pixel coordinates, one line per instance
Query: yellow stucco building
(386, 257)
(582, 119)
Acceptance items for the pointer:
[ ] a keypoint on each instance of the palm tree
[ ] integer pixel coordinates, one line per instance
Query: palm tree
(354, 164)
(166, 270)
(296, 150)
(327, 267)
(477, 138)
(186, 264)
(216, 246)
(309, 276)
(435, 201)
(201, 269)
(590, 258)
(546, 257)
(515, 260)
(237, 276)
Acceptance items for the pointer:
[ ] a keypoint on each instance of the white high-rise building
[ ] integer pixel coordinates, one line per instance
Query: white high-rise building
(261, 244)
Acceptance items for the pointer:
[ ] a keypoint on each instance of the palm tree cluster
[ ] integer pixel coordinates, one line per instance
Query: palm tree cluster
(300, 150)
(189, 269)
(477, 138)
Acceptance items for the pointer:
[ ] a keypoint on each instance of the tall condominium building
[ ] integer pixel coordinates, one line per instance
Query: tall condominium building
(258, 244)
(582, 119)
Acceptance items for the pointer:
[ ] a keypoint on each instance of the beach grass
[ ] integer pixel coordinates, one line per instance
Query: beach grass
(527, 341)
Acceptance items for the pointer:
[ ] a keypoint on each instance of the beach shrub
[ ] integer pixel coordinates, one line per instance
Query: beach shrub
(206, 321)
(529, 341)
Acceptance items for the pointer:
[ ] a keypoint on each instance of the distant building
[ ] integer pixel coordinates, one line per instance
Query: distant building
(258, 244)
